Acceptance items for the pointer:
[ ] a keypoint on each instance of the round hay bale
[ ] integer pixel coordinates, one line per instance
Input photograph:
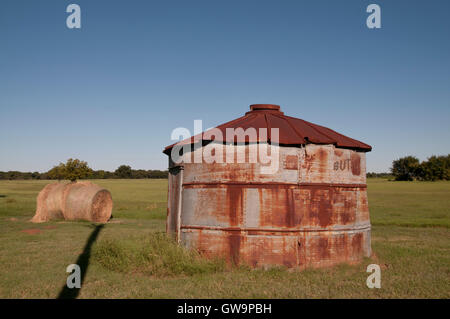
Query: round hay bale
(49, 203)
(73, 201)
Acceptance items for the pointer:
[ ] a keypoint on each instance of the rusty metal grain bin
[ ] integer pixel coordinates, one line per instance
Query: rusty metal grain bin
(312, 213)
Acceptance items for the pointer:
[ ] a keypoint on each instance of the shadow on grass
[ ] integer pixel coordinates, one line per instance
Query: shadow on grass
(83, 262)
(2, 196)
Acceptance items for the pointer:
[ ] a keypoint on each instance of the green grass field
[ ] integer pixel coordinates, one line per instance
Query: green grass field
(131, 258)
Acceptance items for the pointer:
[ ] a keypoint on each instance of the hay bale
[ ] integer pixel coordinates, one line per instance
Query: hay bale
(73, 201)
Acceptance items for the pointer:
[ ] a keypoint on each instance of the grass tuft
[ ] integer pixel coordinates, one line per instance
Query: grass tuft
(155, 254)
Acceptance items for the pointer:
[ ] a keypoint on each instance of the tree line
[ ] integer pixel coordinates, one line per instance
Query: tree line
(75, 169)
(379, 175)
(409, 168)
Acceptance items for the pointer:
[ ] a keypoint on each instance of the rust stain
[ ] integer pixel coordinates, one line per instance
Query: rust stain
(321, 205)
(349, 214)
(341, 247)
(345, 216)
(291, 162)
(255, 254)
(290, 212)
(235, 204)
(234, 241)
(323, 248)
(323, 164)
(356, 163)
(357, 242)
(301, 250)
(289, 259)
(309, 161)
(338, 152)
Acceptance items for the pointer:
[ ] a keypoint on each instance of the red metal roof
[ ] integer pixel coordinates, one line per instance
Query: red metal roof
(292, 131)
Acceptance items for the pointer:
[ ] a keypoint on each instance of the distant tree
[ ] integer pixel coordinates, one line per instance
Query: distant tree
(405, 168)
(72, 170)
(100, 174)
(57, 172)
(123, 171)
(44, 176)
(66, 171)
(12, 175)
(35, 175)
(110, 175)
(75, 169)
(158, 174)
(139, 173)
(435, 168)
(378, 175)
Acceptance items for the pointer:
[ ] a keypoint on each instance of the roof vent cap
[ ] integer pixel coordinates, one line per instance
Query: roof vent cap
(261, 107)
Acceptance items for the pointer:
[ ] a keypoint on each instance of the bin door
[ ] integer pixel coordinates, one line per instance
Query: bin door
(174, 201)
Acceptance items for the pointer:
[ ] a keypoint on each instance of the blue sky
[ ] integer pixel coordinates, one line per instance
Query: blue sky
(112, 92)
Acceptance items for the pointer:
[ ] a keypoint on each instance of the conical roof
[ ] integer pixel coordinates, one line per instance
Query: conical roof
(292, 131)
